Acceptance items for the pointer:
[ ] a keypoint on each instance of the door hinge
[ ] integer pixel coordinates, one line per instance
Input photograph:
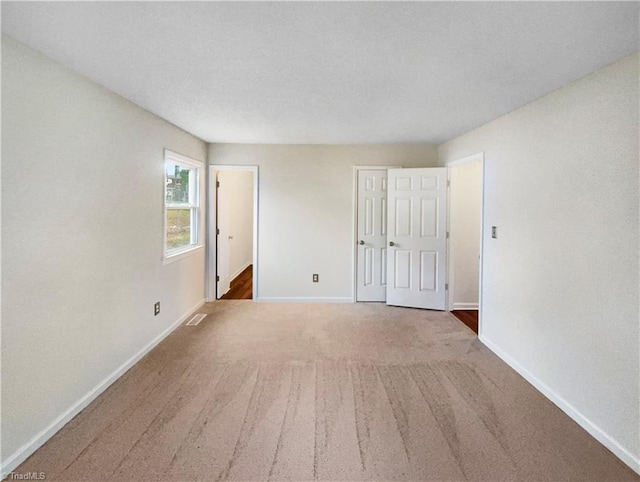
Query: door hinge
(217, 183)
(217, 230)
(446, 286)
(217, 278)
(448, 183)
(447, 234)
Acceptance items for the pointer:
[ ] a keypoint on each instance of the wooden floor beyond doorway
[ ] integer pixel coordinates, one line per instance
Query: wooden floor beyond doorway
(241, 286)
(468, 317)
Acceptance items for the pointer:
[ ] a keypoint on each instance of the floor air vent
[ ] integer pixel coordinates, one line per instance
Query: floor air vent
(196, 319)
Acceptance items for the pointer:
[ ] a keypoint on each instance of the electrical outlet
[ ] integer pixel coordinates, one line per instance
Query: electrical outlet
(494, 232)
(315, 278)
(156, 309)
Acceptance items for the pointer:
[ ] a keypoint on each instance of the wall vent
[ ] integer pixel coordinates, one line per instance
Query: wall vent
(196, 319)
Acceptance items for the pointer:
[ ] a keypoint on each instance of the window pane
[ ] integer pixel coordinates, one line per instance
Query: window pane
(177, 183)
(178, 228)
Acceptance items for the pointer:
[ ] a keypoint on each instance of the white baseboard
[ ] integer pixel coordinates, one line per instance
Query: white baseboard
(305, 300)
(596, 432)
(463, 306)
(20, 455)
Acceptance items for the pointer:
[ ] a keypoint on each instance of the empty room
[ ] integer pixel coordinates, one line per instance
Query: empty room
(320, 241)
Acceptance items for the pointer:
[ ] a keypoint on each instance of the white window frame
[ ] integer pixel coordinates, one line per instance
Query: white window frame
(195, 205)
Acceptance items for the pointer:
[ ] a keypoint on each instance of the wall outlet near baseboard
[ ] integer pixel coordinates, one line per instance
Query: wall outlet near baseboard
(315, 278)
(156, 309)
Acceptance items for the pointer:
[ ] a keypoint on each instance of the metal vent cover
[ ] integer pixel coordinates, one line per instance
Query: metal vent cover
(196, 319)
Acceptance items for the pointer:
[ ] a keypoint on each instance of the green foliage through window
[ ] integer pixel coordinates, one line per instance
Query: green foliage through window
(181, 202)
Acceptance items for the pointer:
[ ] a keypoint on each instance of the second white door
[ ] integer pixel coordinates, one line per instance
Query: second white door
(417, 238)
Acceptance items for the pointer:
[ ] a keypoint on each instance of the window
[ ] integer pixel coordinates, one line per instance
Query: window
(181, 204)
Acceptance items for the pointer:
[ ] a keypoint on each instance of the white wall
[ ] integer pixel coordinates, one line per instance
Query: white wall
(560, 291)
(235, 218)
(82, 241)
(465, 201)
(305, 222)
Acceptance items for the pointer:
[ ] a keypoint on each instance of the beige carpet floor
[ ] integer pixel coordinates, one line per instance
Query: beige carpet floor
(323, 392)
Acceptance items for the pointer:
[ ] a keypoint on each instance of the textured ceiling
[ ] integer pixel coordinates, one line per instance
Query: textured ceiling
(328, 73)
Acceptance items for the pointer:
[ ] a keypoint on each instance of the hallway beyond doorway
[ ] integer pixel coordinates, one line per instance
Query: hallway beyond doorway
(241, 286)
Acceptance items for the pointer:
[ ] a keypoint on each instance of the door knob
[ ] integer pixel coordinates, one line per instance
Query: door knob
(391, 243)
(361, 242)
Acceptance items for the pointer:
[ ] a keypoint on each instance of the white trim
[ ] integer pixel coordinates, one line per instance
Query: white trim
(267, 299)
(211, 267)
(210, 261)
(596, 432)
(180, 158)
(179, 207)
(354, 220)
(463, 306)
(482, 210)
(448, 271)
(465, 160)
(183, 253)
(20, 455)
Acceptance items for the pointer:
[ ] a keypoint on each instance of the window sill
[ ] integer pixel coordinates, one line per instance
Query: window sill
(183, 253)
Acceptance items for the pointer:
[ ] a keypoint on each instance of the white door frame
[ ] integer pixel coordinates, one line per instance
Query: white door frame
(354, 253)
(465, 160)
(211, 231)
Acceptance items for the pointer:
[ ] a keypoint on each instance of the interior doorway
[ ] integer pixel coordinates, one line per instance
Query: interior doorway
(465, 239)
(232, 267)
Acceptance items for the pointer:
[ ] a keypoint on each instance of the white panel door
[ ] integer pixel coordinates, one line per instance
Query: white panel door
(223, 244)
(371, 276)
(417, 237)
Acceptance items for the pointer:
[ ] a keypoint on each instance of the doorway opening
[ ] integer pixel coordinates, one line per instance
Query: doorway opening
(233, 253)
(465, 178)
